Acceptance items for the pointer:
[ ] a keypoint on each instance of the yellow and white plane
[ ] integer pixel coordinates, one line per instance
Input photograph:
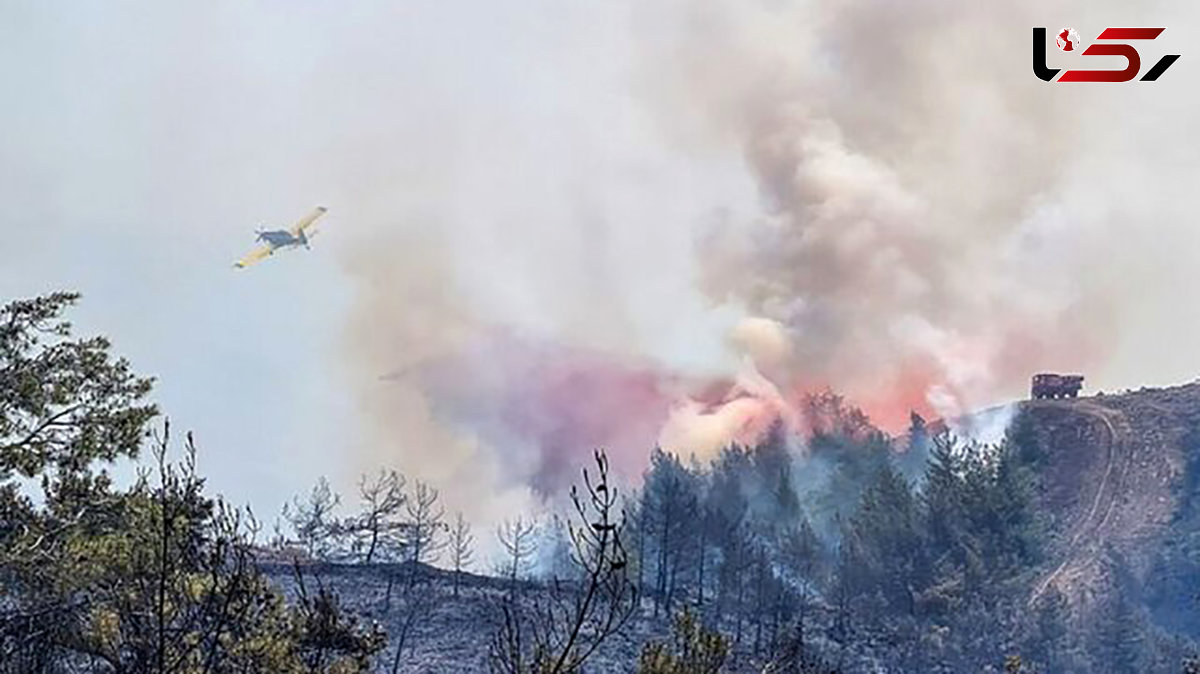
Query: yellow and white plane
(277, 239)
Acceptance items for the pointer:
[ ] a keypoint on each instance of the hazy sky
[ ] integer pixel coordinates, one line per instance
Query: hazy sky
(144, 142)
(547, 171)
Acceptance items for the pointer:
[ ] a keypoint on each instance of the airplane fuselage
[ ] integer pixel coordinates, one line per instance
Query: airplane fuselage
(280, 238)
(271, 240)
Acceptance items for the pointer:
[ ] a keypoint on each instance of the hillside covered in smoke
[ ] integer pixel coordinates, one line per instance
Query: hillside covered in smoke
(900, 214)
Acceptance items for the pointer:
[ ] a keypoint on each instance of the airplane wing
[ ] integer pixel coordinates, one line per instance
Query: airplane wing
(253, 256)
(307, 220)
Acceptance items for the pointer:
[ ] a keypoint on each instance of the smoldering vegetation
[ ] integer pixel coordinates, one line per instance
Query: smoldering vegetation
(861, 553)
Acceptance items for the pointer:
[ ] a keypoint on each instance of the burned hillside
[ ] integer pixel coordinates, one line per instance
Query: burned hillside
(1069, 545)
(1065, 544)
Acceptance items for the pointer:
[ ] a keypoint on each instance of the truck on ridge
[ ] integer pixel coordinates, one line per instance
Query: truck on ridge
(1048, 386)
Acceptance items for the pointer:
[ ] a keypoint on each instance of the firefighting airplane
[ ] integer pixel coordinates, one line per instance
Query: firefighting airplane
(276, 239)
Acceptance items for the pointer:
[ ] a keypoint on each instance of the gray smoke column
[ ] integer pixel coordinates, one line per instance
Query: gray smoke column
(931, 218)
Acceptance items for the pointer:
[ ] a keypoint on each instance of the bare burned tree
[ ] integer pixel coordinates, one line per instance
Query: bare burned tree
(419, 541)
(312, 519)
(377, 527)
(559, 634)
(462, 547)
(424, 526)
(517, 538)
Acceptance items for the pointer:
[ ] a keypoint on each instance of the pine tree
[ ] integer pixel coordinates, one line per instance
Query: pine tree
(1120, 632)
(1019, 533)
(944, 495)
(693, 649)
(1050, 639)
(671, 499)
(886, 528)
(1119, 638)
